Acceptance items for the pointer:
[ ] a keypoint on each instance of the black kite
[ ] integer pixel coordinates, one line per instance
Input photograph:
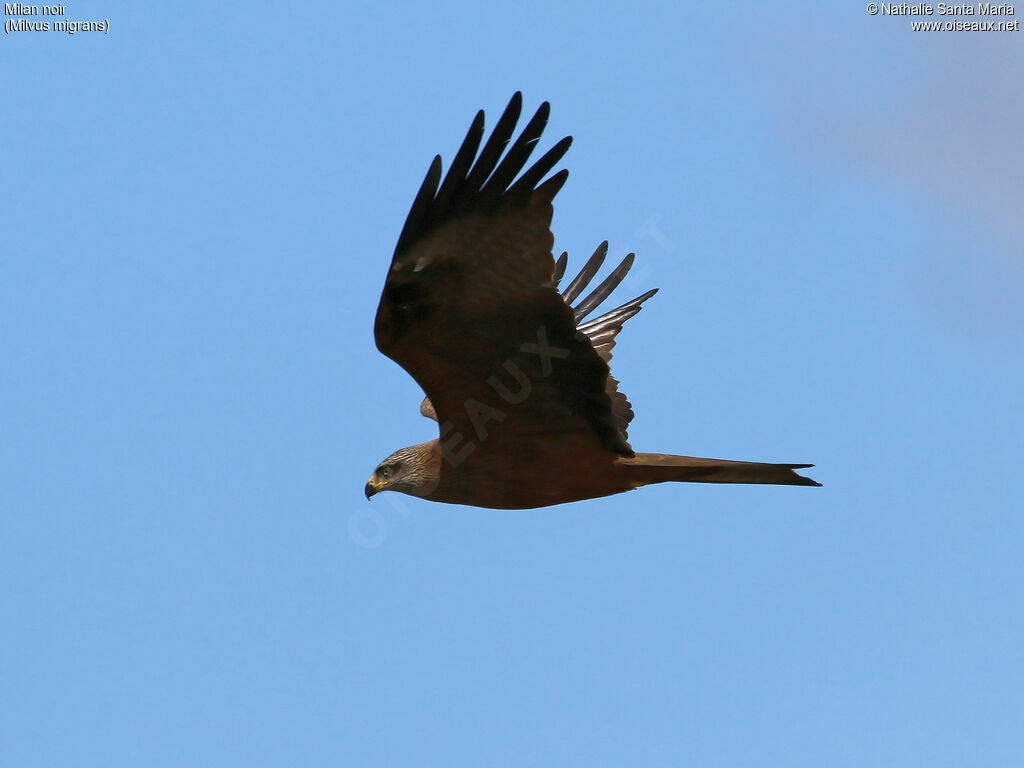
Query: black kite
(529, 413)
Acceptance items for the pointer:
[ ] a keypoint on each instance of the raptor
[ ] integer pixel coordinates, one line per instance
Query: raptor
(517, 378)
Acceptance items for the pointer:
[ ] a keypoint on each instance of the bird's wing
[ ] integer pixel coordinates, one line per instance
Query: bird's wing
(602, 330)
(470, 311)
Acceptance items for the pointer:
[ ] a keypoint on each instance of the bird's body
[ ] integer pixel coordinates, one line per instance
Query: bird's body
(567, 476)
(528, 411)
(574, 476)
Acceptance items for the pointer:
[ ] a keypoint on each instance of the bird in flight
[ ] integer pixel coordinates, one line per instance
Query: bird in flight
(516, 377)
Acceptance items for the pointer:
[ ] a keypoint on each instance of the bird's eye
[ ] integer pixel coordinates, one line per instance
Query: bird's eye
(385, 472)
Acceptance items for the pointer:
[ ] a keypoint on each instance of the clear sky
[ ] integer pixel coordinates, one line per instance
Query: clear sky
(199, 209)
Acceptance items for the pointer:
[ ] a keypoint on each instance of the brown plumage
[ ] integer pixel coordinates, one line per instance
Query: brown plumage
(529, 413)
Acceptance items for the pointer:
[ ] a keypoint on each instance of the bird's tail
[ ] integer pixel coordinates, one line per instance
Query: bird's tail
(647, 468)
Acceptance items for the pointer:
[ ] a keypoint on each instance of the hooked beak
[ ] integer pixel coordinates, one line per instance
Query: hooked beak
(371, 488)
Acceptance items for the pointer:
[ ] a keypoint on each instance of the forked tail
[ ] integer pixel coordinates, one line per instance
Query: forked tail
(646, 468)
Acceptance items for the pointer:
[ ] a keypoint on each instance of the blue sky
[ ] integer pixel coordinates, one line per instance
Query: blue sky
(200, 207)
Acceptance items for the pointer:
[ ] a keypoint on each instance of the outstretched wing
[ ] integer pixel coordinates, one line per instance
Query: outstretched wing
(469, 310)
(601, 331)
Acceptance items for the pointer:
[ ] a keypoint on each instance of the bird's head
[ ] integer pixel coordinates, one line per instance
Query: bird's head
(406, 471)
